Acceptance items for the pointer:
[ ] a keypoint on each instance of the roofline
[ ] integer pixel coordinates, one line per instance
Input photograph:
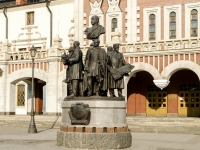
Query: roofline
(25, 4)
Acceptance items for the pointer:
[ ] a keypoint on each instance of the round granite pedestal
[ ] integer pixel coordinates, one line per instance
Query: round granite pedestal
(107, 128)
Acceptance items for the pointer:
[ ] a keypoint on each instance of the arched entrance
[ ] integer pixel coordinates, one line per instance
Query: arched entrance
(184, 94)
(179, 93)
(23, 95)
(137, 91)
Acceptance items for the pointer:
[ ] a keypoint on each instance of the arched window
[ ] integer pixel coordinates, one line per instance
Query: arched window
(194, 24)
(114, 24)
(152, 27)
(172, 25)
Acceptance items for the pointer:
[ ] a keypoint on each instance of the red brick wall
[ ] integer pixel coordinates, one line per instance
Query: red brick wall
(161, 3)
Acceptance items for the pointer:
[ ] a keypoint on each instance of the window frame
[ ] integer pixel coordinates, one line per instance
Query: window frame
(112, 24)
(193, 20)
(18, 96)
(32, 18)
(172, 22)
(152, 24)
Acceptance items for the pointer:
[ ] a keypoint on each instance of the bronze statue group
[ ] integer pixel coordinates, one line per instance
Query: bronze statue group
(100, 71)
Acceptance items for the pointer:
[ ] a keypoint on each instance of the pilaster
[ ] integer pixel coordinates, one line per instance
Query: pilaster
(54, 53)
(79, 21)
(132, 21)
(4, 57)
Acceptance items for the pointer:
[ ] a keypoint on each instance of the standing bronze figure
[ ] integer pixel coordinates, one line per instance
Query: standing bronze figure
(96, 69)
(117, 67)
(75, 68)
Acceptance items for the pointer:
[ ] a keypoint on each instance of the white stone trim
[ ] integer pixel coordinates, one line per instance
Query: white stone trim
(21, 110)
(169, 70)
(167, 11)
(132, 21)
(96, 7)
(139, 66)
(188, 8)
(109, 17)
(113, 6)
(79, 21)
(146, 12)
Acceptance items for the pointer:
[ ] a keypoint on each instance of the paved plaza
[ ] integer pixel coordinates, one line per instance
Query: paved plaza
(148, 133)
(17, 138)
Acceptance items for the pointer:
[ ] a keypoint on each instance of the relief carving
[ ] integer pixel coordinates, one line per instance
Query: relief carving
(113, 6)
(96, 7)
(79, 114)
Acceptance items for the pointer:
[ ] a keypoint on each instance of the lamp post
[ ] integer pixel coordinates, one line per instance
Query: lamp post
(32, 126)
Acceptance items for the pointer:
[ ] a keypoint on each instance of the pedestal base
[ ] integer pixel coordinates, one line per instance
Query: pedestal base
(107, 128)
(94, 140)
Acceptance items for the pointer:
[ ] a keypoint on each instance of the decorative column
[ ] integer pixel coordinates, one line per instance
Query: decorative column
(4, 57)
(52, 89)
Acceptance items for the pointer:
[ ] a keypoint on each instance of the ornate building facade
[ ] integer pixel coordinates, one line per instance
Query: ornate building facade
(160, 38)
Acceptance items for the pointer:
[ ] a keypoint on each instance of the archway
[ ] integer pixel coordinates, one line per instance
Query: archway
(136, 92)
(184, 94)
(18, 97)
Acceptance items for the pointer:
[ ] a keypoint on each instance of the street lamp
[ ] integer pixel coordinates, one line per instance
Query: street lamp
(32, 126)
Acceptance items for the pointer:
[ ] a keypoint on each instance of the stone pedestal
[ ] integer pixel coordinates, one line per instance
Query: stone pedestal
(107, 128)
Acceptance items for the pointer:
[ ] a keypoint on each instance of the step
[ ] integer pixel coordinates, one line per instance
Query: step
(184, 125)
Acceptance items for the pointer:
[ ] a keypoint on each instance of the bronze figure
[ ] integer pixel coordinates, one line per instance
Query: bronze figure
(115, 61)
(96, 30)
(96, 69)
(74, 73)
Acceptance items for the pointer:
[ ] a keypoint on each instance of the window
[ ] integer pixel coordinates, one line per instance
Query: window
(114, 24)
(22, 49)
(172, 25)
(29, 18)
(20, 95)
(152, 27)
(194, 24)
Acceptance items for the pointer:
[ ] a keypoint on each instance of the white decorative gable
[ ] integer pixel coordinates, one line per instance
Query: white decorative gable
(28, 37)
(96, 8)
(113, 5)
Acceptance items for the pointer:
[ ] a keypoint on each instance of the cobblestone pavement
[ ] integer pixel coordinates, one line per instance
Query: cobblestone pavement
(17, 138)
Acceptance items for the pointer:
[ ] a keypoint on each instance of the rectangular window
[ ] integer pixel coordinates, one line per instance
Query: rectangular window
(152, 27)
(172, 25)
(22, 49)
(194, 23)
(29, 18)
(20, 95)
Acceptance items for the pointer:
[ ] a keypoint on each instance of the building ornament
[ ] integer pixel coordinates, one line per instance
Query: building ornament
(113, 6)
(28, 36)
(162, 83)
(96, 7)
(29, 28)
